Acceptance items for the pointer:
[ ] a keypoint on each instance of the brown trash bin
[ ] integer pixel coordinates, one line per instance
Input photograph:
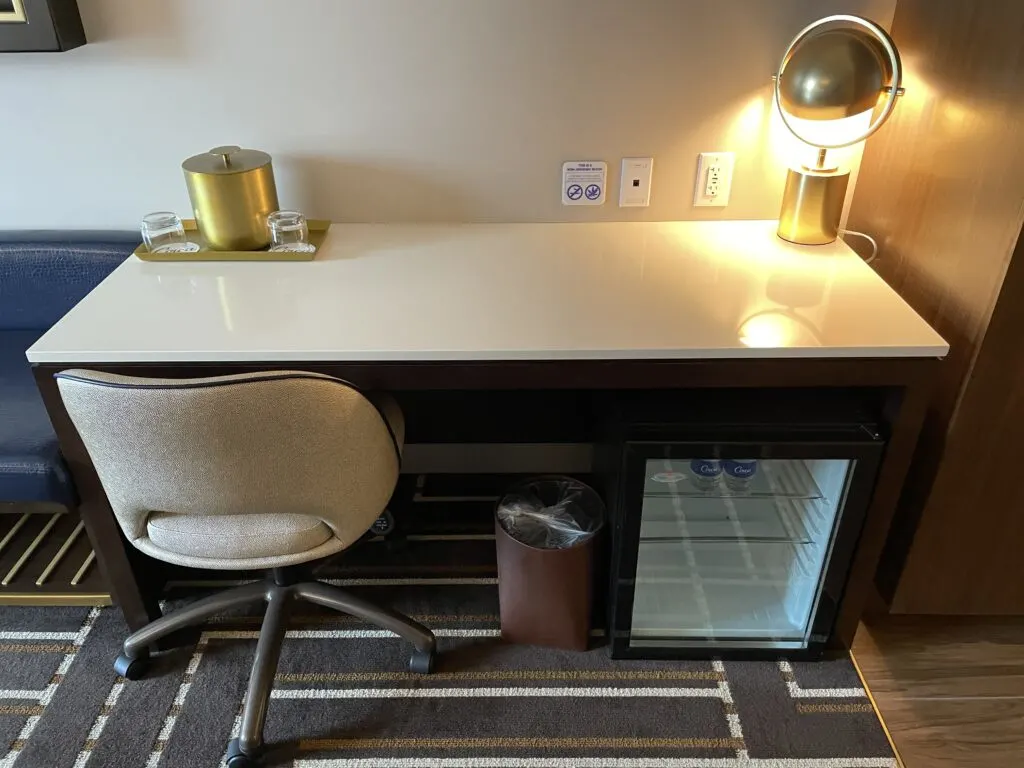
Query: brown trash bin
(546, 593)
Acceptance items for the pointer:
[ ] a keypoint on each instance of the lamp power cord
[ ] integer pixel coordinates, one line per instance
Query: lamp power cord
(866, 236)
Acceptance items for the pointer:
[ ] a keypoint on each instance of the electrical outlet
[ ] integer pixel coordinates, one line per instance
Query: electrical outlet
(714, 178)
(635, 182)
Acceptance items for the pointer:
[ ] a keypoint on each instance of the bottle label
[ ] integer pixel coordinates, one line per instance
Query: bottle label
(742, 468)
(705, 468)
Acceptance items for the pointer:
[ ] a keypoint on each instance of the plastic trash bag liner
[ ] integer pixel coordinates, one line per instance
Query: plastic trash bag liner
(551, 513)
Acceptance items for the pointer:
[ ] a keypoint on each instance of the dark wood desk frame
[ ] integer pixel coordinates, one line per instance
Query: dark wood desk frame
(135, 583)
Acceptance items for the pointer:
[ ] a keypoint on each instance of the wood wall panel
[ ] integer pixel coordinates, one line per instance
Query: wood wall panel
(968, 553)
(942, 186)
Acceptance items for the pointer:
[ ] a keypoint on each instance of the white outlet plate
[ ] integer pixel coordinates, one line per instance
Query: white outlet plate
(635, 182)
(714, 178)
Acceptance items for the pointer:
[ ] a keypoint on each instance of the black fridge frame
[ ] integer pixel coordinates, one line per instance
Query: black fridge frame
(859, 443)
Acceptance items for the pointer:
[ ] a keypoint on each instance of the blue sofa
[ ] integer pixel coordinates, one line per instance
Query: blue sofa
(42, 276)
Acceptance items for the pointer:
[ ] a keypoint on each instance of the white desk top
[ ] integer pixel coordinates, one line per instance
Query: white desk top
(682, 290)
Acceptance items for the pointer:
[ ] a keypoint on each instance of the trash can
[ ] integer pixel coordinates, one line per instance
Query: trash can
(545, 529)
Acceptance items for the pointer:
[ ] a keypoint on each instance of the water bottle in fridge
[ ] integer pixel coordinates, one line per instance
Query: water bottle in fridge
(739, 474)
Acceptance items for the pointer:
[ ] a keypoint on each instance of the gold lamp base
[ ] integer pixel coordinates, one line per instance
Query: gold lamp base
(812, 205)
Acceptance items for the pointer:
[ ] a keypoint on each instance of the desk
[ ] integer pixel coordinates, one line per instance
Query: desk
(507, 306)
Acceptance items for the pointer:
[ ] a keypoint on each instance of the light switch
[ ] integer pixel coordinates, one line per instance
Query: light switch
(635, 182)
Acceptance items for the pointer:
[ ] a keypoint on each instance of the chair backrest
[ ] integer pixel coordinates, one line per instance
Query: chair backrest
(44, 274)
(276, 442)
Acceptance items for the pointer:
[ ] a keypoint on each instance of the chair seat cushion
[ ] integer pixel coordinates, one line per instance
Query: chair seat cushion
(236, 537)
(31, 467)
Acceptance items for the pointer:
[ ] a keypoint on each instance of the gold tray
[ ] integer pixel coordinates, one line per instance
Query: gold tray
(317, 232)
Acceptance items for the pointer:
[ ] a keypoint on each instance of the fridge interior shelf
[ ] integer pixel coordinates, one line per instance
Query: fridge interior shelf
(762, 562)
(709, 590)
(787, 478)
(668, 519)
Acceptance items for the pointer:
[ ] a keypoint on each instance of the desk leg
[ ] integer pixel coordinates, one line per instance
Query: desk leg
(134, 594)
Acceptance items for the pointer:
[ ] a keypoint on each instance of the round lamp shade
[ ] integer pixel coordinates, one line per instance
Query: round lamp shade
(835, 74)
(836, 68)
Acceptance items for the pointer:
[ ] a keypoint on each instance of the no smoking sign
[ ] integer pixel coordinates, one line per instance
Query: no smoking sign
(583, 182)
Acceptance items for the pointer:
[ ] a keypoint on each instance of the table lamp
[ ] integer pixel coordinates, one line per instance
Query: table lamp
(838, 69)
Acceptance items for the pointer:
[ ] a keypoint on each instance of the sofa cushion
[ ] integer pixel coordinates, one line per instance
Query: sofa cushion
(31, 468)
(44, 274)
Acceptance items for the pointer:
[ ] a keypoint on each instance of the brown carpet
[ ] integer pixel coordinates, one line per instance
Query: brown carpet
(343, 699)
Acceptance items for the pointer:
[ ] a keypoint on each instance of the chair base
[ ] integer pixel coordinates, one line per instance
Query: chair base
(278, 592)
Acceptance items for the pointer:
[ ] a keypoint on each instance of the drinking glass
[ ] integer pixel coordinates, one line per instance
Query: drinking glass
(289, 232)
(163, 232)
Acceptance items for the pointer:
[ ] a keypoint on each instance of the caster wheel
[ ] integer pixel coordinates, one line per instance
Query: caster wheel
(422, 662)
(236, 758)
(131, 669)
(241, 761)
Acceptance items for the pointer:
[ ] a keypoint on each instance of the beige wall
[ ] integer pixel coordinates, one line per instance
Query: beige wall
(399, 110)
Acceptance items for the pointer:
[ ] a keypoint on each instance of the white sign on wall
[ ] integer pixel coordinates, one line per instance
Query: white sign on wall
(583, 182)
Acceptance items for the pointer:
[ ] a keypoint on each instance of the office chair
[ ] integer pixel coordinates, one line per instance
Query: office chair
(251, 471)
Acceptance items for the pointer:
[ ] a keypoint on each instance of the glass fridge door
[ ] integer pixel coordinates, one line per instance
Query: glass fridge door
(732, 553)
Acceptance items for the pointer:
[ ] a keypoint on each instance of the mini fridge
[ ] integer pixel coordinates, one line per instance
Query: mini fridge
(736, 538)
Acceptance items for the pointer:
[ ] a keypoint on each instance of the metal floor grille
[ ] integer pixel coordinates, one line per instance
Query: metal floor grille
(46, 559)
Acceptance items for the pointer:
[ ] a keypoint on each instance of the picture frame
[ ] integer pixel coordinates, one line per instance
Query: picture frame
(40, 25)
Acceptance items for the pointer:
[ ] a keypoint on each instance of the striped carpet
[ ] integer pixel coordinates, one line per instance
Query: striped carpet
(343, 699)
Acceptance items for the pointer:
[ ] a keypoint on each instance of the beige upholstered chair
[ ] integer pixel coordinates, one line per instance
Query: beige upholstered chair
(264, 470)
